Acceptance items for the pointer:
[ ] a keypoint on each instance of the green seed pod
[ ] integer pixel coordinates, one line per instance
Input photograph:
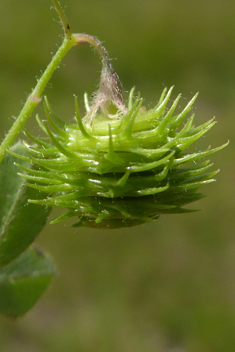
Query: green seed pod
(120, 165)
(122, 169)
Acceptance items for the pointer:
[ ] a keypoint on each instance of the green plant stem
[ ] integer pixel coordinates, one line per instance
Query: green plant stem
(62, 17)
(34, 98)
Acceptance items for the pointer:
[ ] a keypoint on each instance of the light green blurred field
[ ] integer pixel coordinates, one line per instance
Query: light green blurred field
(167, 286)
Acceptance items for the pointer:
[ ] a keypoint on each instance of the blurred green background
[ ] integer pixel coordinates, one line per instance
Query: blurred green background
(167, 286)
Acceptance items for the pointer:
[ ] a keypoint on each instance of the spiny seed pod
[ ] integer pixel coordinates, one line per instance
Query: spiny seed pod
(119, 166)
(120, 170)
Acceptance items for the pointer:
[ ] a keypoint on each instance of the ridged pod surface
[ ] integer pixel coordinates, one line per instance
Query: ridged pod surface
(122, 169)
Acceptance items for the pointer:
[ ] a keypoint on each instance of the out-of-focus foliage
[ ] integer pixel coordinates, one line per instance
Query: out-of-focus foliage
(161, 286)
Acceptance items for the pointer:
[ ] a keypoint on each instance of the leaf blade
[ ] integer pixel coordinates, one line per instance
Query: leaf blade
(20, 222)
(23, 281)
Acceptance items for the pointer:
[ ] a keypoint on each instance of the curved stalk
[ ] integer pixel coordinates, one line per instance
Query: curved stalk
(109, 90)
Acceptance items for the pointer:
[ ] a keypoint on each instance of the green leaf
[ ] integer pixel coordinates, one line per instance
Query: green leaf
(23, 281)
(20, 221)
